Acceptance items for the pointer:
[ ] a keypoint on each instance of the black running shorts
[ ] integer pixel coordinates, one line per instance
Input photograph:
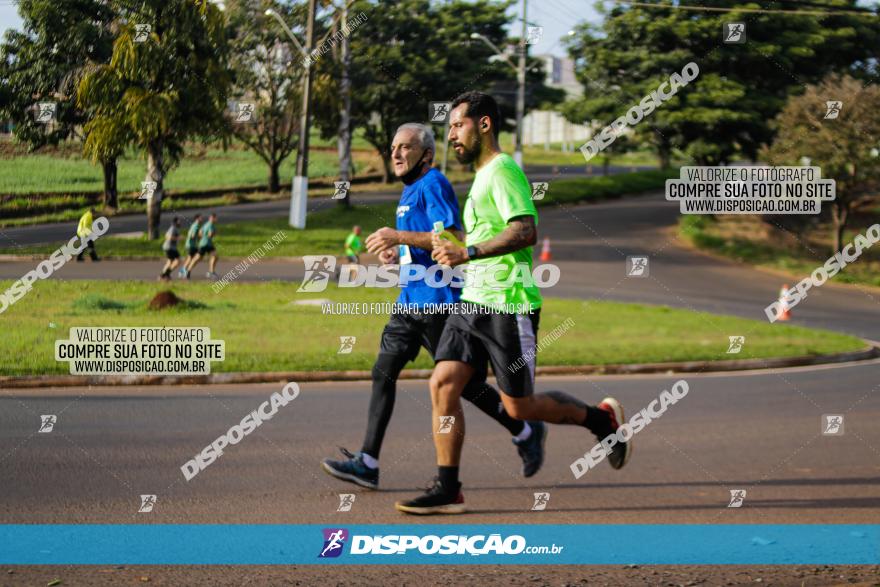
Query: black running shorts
(406, 333)
(477, 336)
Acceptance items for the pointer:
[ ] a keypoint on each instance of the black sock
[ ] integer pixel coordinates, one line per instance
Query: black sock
(485, 397)
(598, 422)
(449, 479)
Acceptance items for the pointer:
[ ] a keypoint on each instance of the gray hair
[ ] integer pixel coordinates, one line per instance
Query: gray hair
(424, 135)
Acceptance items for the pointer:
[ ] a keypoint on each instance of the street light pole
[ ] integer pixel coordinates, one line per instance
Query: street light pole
(520, 70)
(521, 91)
(300, 191)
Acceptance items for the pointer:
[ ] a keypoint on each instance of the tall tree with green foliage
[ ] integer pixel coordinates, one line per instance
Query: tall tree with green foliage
(417, 53)
(845, 144)
(44, 62)
(164, 85)
(727, 111)
(268, 74)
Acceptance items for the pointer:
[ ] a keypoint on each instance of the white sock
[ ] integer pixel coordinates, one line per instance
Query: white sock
(369, 461)
(525, 433)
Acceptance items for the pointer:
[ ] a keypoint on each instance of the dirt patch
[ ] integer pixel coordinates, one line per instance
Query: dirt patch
(424, 575)
(164, 299)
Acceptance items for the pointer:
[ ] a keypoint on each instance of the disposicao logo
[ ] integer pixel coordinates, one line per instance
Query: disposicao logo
(334, 540)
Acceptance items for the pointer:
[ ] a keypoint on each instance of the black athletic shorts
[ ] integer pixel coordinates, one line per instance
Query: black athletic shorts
(192, 251)
(206, 249)
(406, 333)
(172, 254)
(477, 336)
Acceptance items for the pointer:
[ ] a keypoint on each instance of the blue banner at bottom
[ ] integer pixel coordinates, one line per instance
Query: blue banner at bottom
(97, 544)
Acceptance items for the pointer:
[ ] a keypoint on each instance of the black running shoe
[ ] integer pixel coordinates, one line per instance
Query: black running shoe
(434, 501)
(621, 452)
(531, 450)
(352, 469)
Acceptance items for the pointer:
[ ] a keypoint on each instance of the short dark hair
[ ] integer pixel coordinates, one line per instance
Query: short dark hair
(480, 105)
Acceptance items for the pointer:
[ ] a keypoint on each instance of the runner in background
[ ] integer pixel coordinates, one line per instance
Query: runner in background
(84, 232)
(206, 247)
(191, 244)
(353, 247)
(170, 247)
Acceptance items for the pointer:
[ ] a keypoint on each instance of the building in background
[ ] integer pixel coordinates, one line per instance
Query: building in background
(547, 127)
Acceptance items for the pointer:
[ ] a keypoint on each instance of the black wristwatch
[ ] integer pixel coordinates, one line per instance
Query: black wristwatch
(472, 253)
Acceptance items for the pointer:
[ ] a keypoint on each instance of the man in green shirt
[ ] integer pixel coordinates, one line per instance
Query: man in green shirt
(353, 247)
(206, 247)
(353, 244)
(498, 320)
(191, 245)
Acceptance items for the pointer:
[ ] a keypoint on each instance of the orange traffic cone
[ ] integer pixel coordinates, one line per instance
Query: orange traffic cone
(785, 313)
(545, 249)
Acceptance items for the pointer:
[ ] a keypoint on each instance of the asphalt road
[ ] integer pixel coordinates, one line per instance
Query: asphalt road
(754, 431)
(758, 431)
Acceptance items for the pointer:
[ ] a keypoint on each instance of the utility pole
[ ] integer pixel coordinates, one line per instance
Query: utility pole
(344, 134)
(300, 190)
(521, 90)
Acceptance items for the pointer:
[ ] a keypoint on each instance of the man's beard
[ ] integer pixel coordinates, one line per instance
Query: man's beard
(468, 156)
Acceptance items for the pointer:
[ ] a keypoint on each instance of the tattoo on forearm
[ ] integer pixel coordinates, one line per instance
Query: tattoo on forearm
(519, 234)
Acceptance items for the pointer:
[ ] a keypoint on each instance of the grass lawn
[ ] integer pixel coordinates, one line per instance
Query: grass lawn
(264, 331)
(327, 228)
(205, 169)
(741, 238)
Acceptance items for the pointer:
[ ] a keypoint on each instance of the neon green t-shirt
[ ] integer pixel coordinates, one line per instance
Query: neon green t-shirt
(353, 245)
(500, 192)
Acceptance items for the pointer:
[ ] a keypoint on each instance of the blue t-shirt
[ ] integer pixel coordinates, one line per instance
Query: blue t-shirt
(424, 202)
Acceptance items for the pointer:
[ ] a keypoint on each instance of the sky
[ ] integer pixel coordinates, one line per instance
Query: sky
(556, 16)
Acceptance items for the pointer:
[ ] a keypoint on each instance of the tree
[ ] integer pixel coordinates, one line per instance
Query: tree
(845, 147)
(726, 111)
(44, 63)
(402, 59)
(268, 73)
(344, 134)
(162, 91)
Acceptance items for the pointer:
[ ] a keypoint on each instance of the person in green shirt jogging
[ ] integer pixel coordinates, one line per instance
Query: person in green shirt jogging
(207, 232)
(353, 244)
(84, 232)
(497, 323)
(353, 247)
(191, 244)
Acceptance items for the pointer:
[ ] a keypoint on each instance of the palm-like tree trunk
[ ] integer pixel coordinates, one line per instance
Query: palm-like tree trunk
(155, 173)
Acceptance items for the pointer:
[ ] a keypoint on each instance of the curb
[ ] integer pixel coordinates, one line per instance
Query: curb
(872, 351)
